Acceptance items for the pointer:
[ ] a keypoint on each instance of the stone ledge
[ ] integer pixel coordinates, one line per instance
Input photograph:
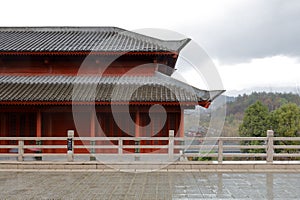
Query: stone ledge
(146, 166)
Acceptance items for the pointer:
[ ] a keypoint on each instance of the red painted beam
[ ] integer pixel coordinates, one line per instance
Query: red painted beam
(205, 104)
(87, 53)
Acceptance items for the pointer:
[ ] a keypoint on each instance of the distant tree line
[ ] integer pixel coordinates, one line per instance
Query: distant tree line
(271, 100)
(258, 118)
(236, 107)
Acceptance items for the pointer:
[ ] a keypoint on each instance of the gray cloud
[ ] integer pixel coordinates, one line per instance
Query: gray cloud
(260, 29)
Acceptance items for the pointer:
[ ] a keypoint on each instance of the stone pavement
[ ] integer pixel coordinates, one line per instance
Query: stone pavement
(152, 185)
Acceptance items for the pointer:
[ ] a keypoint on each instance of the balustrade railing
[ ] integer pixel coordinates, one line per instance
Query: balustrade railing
(218, 148)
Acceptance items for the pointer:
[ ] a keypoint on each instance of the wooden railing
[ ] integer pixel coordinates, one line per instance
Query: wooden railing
(219, 148)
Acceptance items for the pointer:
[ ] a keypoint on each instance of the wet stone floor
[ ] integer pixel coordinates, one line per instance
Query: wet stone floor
(154, 185)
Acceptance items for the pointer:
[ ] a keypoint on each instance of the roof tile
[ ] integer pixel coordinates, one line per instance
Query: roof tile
(92, 88)
(82, 39)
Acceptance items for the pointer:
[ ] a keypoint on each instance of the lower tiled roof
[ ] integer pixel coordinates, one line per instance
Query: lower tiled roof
(157, 88)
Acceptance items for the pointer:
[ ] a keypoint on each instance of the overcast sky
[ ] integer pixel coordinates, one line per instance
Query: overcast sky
(253, 43)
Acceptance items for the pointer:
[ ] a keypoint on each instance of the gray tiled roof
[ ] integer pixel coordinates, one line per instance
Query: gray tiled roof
(158, 88)
(81, 39)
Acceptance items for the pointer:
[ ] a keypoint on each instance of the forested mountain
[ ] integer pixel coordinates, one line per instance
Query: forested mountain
(271, 100)
(235, 109)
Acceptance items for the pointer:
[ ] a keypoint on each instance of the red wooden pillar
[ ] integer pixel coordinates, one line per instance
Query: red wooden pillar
(92, 134)
(181, 126)
(39, 130)
(49, 131)
(3, 124)
(38, 124)
(50, 125)
(137, 124)
(92, 125)
(2, 131)
(137, 130)
(17, 124)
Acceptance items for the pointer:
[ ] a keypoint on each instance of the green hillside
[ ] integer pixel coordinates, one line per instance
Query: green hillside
(235, 109)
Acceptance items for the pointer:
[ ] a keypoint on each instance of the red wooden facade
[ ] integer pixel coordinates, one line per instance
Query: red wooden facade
(52, 118)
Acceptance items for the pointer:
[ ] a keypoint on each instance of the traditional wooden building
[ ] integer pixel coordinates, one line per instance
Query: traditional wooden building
(39, 70)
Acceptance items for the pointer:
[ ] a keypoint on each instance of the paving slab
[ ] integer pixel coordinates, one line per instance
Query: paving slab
(153, 185)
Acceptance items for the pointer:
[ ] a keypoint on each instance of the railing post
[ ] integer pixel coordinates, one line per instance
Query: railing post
(120, 146)
(171, 144)
(92, 150)
(21, 150)
(181, 152)
(38, 142)
(137, 150)
(220, 151)
(270, 147)
(70, 145)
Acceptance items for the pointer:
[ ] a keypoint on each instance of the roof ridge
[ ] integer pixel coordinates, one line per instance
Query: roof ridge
(57, 28)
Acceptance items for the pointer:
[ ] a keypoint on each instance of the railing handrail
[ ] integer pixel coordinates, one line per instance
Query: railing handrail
(174, 145)
(153, 138)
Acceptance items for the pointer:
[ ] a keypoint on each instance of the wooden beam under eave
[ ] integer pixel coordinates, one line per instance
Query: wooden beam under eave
(204, 104)
(186, 105)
